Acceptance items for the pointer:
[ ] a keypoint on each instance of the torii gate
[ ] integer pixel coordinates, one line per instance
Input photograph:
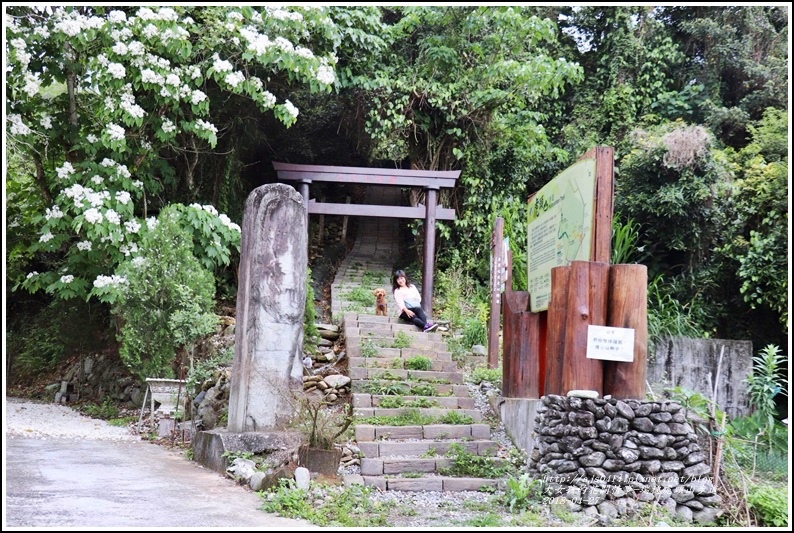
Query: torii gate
(430, 180)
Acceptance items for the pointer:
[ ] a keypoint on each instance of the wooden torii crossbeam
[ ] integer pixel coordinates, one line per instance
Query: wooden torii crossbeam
(430, 180)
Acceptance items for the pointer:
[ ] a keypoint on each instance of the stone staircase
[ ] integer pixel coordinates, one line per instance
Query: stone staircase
(399, 371)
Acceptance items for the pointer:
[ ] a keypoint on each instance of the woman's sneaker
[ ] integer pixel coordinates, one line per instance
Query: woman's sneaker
(430, 327)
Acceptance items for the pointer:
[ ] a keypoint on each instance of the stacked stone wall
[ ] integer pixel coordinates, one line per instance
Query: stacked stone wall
(609, 456)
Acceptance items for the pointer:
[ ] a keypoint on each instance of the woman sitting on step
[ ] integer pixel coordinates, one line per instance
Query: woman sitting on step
(409, 302)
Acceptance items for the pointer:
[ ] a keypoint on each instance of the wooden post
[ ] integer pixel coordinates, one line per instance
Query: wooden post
(520, 362)
(555, 332)
(496, 291)
(604, 202)
(320, 230)
(430, 251)
(344, 223)
(586, 305)
(628, 301)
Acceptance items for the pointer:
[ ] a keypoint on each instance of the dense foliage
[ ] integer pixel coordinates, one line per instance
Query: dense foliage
(115, 113)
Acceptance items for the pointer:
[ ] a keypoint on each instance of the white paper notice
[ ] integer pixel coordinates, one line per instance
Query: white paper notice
(610, 344)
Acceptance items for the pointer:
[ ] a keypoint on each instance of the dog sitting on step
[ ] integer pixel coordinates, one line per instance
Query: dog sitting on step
(380, 302)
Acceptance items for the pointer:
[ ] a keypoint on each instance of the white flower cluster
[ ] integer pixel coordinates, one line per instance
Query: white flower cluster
(291, 109)
(234, 15)
(65, 170)
(72, 23)
(68, 278)
(168, 126)
(46, 122)
(132, 226)
(226, 221)
(117, 70)
(304, 52)
(96, 179)
(23, 58)
(235, 78)
(206, 126)
(84, 246)
(17, 126)
(31, 274)
(55, 212)
(165, 13)
(220, 65)
(270, 99)
(46, 237)
(116, 16)
(325, 74)
(102, 281)
(128, 103)
(150, 76)
(197, 97)
(128, 249)
(284, 44)
(112, 217)
(281, 14)
(93, 216)
(139, 261)
(32, 84)
(257, 42)
(115, 132)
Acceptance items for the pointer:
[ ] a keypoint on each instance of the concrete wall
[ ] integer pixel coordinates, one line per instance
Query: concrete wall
(693, 364)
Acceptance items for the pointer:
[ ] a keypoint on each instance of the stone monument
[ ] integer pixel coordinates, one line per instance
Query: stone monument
(271, 299)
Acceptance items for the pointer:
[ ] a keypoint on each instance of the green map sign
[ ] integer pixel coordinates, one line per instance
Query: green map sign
(559, 229)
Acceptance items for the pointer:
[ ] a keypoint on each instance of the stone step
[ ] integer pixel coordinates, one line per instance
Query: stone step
(392, 362)
(406, 353)
(367, 386)
(447, 402)
(435, 412)
(425, 449)
(432, 483)
(369, 432)
(395, 374)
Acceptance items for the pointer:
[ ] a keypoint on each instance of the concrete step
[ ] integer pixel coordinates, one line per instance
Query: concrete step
(369, 432)
(432, 483)
(395, 374)
(447, 402)
(398, 363)
(425, 449)
(367, 386)
(435, 412)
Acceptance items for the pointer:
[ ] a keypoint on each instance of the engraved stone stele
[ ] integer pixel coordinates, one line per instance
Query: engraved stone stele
(271, 299)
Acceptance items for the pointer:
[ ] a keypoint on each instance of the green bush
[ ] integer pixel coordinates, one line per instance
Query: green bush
(106, 410)
(419, 362)
(168, 300)
(474, 332)
(401, 340)
(770, 505)
(491, 375)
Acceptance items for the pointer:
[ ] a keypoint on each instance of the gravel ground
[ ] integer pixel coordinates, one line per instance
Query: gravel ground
(38, 420)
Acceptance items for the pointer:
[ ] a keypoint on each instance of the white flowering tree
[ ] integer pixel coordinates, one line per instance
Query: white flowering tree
(107, 109)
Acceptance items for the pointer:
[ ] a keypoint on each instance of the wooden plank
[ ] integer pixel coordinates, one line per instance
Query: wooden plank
(586, 305)
(369, 176)
(386, 211)
(628, 308)
(521, 375)
(555, 336)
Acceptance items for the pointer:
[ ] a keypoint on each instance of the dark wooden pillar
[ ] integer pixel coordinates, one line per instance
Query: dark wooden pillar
(431, 197)
(628, 308)
(521, 377)
(555, 332)
(587, 305)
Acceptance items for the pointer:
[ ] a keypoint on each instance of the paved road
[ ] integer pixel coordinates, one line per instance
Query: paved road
(114, 484)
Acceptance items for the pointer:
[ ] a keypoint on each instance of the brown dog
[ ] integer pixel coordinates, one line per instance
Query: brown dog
(380, 302)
